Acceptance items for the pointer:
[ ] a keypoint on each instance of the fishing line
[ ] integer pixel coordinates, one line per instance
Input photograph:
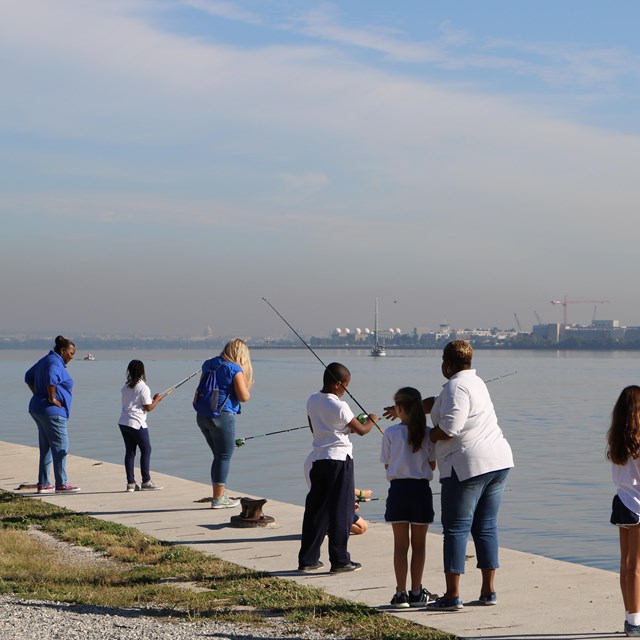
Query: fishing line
(320, 361)
(433, 493)
(506, 375)
(383, 498)
(242, 441)
(170, 390)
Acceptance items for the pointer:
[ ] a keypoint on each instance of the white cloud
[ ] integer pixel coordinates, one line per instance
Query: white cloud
(560, 64)
(324, 23)
(228, 10)
(119, 132)
(308, 181)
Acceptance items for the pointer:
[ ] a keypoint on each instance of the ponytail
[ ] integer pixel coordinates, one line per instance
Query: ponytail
(411, 401)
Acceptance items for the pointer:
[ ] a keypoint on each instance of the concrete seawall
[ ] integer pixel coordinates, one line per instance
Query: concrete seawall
(539, 598)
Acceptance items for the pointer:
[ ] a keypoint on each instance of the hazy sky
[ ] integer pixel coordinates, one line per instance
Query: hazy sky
(166, 163)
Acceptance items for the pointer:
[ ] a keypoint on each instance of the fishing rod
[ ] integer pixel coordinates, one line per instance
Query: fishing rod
(383, 498)
(242, 441)
(506, 375)
(320, 361)
(170, 390)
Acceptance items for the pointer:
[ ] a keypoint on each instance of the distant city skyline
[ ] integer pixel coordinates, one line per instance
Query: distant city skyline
(167, 164)
(286, 333)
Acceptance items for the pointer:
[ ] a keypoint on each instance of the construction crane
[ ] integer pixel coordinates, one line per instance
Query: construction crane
(593, 319)
(515, 315)
(566, 302)
(535, 313)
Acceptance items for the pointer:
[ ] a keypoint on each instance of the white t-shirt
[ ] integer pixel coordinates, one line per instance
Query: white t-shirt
(402, 461)
(464, 412)
(626, 477)
(133, 401)
(329, 416)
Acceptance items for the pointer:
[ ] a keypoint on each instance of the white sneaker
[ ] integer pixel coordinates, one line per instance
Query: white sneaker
(224, 502)
(149, 486)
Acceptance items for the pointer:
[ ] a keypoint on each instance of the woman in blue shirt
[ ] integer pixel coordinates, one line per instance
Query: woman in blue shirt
(235, 377)
(49, 407)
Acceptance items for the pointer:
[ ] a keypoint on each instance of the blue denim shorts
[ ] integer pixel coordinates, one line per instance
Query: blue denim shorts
(409, 500)
(621, 516)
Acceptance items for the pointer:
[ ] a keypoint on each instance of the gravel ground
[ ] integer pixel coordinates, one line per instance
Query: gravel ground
(34, 620)
(39, 620)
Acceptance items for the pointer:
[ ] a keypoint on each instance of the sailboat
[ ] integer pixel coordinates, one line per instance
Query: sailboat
(378, 349)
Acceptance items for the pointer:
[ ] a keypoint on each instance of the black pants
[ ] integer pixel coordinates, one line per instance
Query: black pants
(134, 438)
(328, 509)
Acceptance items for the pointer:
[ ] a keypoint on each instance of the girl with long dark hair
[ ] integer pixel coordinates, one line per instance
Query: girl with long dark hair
(623, 450)
(136, 403)
(407, 457)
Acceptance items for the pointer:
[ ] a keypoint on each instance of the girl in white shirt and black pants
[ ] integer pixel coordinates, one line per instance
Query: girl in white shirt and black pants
(136, 403)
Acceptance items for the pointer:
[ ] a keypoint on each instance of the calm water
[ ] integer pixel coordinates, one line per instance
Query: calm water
(554, 412)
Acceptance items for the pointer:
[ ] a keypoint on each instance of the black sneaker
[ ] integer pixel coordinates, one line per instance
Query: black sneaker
(400, 600)
(346, 568)
(422, 598)
(488, 599)
(446, 604)
(311, 567)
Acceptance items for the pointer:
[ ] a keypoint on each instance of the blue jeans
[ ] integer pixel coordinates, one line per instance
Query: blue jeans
(54, 446)
(220, 434)
(134, 438)
(472, 507)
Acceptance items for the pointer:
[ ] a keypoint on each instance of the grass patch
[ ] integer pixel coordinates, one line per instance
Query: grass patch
(143, 573)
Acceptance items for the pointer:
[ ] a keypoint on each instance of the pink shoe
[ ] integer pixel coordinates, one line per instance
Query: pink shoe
(66, 488)
(46, 488)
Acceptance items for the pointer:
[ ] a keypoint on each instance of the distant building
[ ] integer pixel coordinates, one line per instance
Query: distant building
(632, 335)
(547, 332)
(606, 324)
(598, 333)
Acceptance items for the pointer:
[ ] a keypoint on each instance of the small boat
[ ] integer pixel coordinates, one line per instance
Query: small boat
(378, 350)
(89, 356)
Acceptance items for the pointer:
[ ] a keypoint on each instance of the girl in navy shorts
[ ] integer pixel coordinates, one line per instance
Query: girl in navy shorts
(409, 460)
(623, 450)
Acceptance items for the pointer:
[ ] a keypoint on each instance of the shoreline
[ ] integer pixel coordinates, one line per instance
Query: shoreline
(215, 345)
(575, 599)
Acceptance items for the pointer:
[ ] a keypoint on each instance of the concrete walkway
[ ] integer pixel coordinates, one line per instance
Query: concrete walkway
(539, 598)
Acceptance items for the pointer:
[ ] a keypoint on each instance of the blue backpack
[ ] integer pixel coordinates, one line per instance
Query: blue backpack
(208, 395)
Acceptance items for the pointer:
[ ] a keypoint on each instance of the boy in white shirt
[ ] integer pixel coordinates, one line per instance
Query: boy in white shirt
(329, 506)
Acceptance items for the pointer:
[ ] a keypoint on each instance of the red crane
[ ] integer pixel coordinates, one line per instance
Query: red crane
(566, 302)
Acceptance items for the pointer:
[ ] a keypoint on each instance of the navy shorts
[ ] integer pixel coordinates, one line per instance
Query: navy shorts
(621, 515)
(409, 500)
